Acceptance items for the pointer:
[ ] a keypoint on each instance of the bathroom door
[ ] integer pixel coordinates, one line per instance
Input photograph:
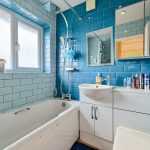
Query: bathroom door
(87, 118)
(103, 122)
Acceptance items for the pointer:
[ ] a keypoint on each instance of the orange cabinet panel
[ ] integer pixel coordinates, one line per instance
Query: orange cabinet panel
(131, 47)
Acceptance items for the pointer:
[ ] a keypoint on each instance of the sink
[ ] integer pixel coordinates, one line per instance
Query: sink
(94, 91)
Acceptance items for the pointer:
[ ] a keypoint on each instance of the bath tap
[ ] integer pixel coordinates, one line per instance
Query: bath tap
(66, 96)
(107, 79)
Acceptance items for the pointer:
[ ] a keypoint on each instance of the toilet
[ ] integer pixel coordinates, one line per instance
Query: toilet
(128, 139)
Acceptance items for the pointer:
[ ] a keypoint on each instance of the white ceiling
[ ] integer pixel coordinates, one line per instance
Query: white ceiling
(61, 4)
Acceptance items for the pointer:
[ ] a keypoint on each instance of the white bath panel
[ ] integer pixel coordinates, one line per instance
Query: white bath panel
(34, 130)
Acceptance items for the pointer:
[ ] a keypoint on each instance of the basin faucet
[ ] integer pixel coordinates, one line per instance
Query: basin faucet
(107, 79)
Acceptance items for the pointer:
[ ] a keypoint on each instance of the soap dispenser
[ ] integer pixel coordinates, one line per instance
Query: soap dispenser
(98, 79)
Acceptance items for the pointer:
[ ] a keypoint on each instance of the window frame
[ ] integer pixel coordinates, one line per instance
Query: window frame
(6, 11)
(15, 18)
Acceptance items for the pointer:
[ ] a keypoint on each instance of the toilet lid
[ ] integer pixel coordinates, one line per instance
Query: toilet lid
(128, 139)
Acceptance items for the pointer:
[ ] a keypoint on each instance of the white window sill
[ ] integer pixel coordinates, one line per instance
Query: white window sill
(23, 71)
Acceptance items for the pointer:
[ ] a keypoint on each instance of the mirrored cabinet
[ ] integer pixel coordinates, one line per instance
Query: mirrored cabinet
(147, 28)
(100, 47)
(132, 31)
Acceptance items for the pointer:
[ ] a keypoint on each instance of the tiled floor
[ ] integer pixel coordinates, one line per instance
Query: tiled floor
(79, 146)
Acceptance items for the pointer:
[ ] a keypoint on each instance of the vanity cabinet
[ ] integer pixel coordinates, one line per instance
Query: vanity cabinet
(103, 122)
(132, 109)
(132, 100)
(131, 120)
(119, 106)
(87, 118)
(96, 120)
(96, 125)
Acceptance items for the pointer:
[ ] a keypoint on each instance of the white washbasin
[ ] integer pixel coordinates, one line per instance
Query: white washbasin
(94, 91)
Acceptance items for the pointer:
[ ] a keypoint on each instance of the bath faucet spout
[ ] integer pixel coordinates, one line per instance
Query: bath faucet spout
(66, 96)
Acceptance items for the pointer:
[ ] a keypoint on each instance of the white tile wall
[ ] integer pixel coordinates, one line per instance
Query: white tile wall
(20, 89)
(17, 89)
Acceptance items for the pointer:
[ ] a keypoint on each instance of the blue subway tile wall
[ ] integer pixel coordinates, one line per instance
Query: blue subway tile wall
(103, 16)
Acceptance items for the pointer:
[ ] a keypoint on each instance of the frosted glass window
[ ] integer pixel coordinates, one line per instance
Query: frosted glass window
(28, 54)
(20, 43)
(5, 38)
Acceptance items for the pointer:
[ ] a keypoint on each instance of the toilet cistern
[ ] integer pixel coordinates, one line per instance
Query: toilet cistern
(128, 139)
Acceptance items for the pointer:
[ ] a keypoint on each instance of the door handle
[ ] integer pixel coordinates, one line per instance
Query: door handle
(95, 113)
(92, 109)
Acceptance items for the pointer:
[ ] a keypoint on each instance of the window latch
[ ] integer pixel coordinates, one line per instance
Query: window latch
(18, 46)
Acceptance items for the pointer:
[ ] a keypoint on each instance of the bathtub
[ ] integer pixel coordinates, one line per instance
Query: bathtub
(48, 125)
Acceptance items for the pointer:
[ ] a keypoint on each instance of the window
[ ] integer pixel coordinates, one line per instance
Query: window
(28, 40)
(22, 51)
(5, 38)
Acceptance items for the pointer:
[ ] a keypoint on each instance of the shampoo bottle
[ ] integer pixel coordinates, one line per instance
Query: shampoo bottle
(137, 82)
(98, 79)
(141, 81)
(146, 81)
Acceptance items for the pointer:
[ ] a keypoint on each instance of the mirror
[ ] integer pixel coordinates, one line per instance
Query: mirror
(132, 31)
(100, 47)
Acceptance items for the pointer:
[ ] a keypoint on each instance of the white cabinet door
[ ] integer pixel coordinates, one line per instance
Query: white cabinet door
(87, 118)
(132, 120)
(103, 122)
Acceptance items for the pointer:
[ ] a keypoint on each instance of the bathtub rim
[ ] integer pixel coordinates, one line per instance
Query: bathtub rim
(13, 110)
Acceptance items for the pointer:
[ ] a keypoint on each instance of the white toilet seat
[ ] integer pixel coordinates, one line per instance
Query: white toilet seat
(128, 139)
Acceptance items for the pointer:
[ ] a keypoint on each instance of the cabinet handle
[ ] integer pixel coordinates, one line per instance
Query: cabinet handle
(92, 108)
(95, 113)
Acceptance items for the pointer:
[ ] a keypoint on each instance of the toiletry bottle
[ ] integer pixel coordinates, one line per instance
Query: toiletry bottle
(133, 82)
(98, 79)
(129, 82)
(137, 81)
(146, 81)
(124, 82)
(141, 81)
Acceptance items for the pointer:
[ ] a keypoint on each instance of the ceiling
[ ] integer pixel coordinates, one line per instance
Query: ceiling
(61, 4)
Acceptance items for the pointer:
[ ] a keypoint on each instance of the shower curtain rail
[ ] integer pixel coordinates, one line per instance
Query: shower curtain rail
(79, 17)
(69, 5)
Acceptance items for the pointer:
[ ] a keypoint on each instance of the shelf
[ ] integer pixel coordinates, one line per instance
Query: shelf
(128, 37)
(133, 58)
